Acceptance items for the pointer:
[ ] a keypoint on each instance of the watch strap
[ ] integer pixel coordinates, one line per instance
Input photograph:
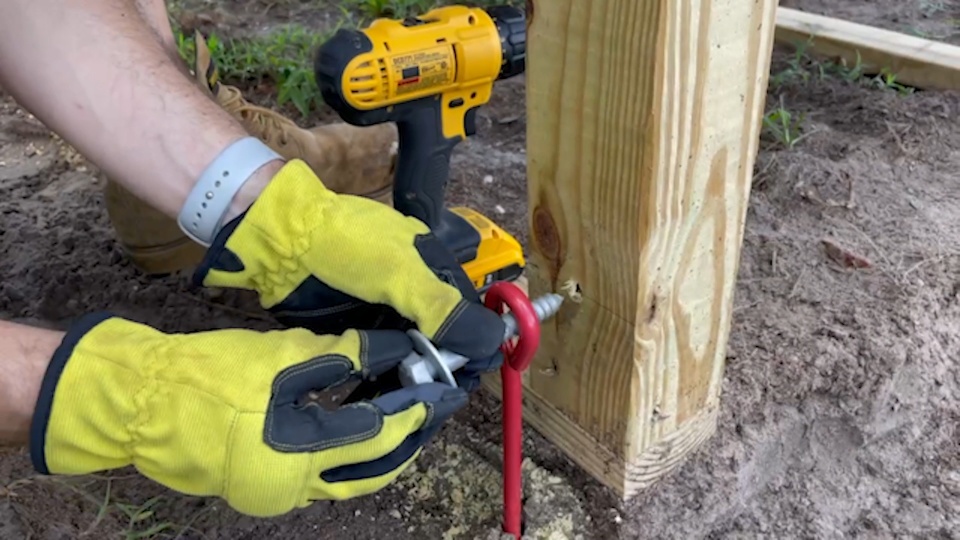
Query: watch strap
(202, 214)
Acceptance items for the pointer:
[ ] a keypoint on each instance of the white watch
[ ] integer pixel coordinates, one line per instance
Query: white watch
(201, 217)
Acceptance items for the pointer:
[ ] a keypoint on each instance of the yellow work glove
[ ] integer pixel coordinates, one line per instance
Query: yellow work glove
(223, 413)
(327, 262)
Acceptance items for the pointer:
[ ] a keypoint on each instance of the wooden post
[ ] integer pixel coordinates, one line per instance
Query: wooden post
(643, 125)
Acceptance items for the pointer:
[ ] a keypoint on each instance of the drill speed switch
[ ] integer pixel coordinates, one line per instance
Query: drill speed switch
(428, 364)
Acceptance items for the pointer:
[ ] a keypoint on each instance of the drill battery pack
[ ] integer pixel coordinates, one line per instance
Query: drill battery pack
(486, 252)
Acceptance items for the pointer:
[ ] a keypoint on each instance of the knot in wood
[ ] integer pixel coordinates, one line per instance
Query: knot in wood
(545, 234)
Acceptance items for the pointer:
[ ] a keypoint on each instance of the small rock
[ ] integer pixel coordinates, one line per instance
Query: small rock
(952, 482)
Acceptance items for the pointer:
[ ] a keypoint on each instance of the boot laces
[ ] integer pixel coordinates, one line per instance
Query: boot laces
(267, 124)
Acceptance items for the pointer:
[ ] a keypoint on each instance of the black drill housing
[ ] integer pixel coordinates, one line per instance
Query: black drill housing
(423, 162)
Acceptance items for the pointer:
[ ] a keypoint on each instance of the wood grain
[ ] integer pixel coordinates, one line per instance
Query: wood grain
(643, 122)
(914, 61)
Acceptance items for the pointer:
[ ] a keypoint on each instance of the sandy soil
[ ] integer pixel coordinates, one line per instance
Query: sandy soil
(841, 410)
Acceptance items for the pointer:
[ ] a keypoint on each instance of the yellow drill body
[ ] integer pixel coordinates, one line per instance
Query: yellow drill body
(429, 74)
(456, 56)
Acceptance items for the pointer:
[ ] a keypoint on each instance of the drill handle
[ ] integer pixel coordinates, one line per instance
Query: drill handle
(423, 164)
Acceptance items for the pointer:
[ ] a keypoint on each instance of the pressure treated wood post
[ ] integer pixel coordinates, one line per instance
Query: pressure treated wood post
(643, 126)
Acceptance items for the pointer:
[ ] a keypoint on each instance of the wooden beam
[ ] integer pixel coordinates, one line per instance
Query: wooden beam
(915, 61)
(643, 124)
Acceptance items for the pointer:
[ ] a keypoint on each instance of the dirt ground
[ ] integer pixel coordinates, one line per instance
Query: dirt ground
(841, 407)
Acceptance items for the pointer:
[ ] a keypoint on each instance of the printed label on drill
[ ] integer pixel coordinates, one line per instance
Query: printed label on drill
(422, 70)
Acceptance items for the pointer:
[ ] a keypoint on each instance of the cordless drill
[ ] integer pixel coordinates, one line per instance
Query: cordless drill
(429, 75)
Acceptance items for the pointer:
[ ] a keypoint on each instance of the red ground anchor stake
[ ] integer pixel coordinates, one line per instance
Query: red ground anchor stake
(517, 357)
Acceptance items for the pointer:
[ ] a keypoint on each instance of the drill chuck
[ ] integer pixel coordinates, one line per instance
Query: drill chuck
(512, 26)
(428, 364)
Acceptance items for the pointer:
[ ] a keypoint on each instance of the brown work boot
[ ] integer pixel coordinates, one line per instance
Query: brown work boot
(348, 159)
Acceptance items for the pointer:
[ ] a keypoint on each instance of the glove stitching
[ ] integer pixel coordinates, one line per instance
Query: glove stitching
(364, 354)
(448, 323)
(431, 410)
(316, 363)
(228, 463)
(309, 365)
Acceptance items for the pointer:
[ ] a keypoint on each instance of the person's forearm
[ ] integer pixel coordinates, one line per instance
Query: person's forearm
(25, 352)
(154, 13)
(96, 74)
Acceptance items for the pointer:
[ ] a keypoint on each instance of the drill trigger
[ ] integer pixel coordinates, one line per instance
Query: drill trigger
(470, 121)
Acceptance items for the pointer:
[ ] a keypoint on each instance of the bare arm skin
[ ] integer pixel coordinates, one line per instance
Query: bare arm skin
(24, 354)
(104, 75)
(98, 74)
(154, 13)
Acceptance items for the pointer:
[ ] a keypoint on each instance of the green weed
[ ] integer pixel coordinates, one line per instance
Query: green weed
(785, 128)
(135, 521)
(390, 8)
(801, 68)
(888, 80)
(138, 516)
(412, 8)
(798, 68)
(283, 58)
